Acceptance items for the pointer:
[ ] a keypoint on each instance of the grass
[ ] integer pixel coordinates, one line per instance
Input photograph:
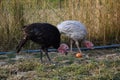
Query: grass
(97, 65)
(101, 17)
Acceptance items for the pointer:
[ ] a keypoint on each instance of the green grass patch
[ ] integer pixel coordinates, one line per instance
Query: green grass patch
(65, 67)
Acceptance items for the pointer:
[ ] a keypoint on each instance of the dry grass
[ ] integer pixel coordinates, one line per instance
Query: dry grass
(101, 18)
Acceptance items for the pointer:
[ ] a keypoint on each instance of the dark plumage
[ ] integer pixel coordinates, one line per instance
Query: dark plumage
(44, 34)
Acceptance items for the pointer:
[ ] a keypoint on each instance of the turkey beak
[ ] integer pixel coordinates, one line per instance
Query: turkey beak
(21, 44)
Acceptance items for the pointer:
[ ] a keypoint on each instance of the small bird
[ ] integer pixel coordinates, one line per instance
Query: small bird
(44, 34)
(76, 31)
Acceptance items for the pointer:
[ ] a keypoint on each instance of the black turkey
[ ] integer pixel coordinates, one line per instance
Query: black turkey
(44, 34)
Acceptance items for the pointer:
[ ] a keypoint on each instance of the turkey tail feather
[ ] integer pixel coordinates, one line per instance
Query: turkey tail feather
(21, 44)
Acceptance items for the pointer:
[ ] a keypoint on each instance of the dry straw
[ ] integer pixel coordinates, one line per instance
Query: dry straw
(101, 18)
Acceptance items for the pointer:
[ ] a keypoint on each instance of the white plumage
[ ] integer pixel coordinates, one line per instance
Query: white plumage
(76, 31)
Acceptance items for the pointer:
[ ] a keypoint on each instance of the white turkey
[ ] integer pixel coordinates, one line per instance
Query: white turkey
(44, 34)
(76, 31)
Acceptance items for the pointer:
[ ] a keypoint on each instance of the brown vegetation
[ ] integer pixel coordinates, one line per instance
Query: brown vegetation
(101, 18)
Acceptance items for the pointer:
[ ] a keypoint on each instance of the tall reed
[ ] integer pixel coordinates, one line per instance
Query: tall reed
(101, 17)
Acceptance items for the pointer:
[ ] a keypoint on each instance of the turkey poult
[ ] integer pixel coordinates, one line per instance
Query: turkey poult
(76, 31)
(44, 34)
